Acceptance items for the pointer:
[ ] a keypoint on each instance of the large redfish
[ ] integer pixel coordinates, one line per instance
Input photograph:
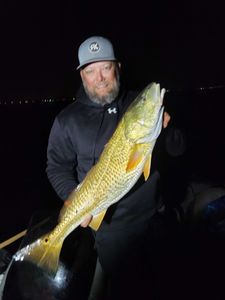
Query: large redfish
(125, 157)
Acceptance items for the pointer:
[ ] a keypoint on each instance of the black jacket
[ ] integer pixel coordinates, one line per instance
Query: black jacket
(76, 141)
(77, 138)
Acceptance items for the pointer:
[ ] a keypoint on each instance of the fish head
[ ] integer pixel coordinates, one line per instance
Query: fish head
(143, 119)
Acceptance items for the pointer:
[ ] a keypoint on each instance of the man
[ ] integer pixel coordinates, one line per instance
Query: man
(76, 141)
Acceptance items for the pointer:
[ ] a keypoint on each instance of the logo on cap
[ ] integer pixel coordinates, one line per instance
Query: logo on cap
(94, 47)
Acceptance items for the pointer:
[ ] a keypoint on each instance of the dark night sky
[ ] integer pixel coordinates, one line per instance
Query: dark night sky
(179, 44)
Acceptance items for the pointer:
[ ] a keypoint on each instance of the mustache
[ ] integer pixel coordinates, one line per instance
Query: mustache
(104, 99)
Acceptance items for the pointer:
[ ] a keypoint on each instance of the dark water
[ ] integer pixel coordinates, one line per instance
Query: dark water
(24, 131)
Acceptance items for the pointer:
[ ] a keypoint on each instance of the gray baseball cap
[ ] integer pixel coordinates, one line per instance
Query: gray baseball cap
(93, 49)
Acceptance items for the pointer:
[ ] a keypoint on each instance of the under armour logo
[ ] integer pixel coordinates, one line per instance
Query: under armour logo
(112, 110)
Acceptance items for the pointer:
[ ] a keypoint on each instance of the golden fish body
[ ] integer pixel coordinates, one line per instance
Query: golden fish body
(126, 156)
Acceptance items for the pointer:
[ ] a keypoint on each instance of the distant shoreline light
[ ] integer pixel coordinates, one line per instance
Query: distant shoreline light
(71, 99)
(36, 101)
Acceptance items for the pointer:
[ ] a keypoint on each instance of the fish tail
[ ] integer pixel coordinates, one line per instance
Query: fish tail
(45, 254)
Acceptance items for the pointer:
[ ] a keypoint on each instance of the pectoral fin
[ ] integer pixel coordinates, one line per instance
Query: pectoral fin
(135, 158)
(147, 167)
(97, 220)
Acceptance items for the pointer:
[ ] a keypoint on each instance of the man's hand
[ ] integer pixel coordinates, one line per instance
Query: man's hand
(166, 119)
(86, 221)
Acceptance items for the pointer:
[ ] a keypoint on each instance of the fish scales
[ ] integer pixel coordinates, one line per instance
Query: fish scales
(105, 182)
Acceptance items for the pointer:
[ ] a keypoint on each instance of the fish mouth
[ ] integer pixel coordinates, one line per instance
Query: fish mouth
(162, 94)
(156, 92)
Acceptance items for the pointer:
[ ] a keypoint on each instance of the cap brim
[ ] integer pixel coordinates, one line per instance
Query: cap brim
(96, 60)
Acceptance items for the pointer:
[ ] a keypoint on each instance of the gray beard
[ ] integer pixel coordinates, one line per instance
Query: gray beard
(103, 100)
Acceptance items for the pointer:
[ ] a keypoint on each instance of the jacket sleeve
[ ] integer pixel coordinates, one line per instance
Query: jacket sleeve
(175, 141)
(61, 161)
(174, 166)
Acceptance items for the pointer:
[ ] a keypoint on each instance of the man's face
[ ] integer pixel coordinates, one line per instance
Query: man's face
(101, 81)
